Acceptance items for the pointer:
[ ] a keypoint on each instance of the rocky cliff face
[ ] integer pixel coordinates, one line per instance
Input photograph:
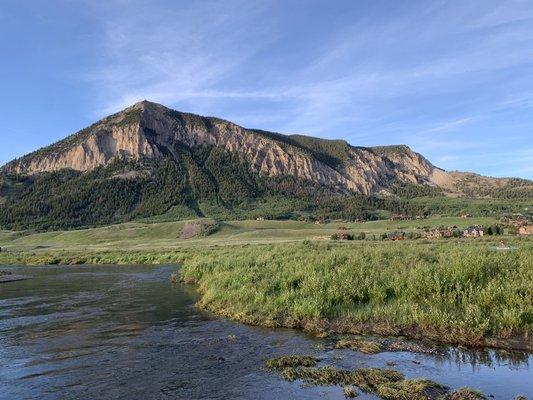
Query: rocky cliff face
(148, 130)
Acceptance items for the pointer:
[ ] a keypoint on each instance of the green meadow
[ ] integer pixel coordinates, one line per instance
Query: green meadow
(290, 274)
(164, 235)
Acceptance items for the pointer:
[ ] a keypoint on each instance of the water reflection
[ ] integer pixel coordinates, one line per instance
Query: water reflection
(488, 357)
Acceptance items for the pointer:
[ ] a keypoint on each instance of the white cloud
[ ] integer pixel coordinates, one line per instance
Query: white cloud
(167, 55)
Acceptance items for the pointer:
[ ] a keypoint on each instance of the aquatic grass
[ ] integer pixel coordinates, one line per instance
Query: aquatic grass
(364, 346)
(464, 394)
(280, 363)
(373, 346)
(370, 379)
(367, 379)
(388, 384)
(410, 389)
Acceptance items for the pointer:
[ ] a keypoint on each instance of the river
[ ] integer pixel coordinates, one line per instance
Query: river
(125, 332)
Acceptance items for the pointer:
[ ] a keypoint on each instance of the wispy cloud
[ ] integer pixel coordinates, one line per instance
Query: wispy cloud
(169, 54)
(422, 74)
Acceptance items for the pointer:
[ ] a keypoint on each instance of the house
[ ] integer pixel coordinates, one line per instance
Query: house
(526, 230)
(516, 220)
(433, 234)
(440, 232)
(260, 219)
(473, 231)
(396, 235)
(447, 232)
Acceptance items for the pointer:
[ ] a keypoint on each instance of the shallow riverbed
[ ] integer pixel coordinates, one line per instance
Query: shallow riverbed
(125, 332)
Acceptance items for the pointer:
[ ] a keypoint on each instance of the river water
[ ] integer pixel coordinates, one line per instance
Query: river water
(125, 332)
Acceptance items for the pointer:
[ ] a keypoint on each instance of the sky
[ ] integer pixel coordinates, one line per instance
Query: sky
(452, 79)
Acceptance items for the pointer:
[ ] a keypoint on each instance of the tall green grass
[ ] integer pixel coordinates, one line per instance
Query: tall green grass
(100, 257)
(455, 292)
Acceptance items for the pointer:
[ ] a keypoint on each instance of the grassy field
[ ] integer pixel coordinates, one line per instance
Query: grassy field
(164, 235)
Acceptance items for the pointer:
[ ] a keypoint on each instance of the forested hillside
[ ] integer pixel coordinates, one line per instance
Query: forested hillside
(152, 163)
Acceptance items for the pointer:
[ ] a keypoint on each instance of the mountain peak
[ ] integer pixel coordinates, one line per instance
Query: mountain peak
(151, 131)
(144, 105)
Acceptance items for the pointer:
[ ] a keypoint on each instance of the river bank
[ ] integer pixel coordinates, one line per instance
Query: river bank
(122, 332)
(457, 292)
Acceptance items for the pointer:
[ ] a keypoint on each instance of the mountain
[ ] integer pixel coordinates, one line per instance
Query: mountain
(151, 131)
(150, 160)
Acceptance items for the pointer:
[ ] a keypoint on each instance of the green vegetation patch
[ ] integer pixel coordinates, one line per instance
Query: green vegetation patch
(364, 346)
(464, 394)
(410, 389)
(372, 346)
(456, 291)
(386, 383)
(280, 363)
(462, 293)
(367, 379)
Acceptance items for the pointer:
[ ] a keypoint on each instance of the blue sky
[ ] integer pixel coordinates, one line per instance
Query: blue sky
(452, 79)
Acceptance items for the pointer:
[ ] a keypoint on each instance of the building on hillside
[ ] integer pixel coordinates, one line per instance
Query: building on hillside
(525, 230)
(440, 232)
(396, 235)
(473, 231)
(432, 234)
(448, 231)
(516, 220)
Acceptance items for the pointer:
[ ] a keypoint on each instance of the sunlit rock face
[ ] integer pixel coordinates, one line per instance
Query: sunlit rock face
(147, 130)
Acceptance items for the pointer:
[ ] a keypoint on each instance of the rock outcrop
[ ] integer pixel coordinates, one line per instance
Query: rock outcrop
(147, 130)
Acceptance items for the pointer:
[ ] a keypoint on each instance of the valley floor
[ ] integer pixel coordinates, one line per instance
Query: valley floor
(288, 273)
(164, 235)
